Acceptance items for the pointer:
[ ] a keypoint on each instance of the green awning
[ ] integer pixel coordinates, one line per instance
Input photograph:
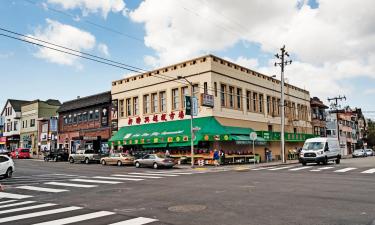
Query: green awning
(245, 140)
(160, 145)
(181, 144)
(178, 131)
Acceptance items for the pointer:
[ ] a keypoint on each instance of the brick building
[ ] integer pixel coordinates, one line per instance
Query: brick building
(318, 117)
(85, 123)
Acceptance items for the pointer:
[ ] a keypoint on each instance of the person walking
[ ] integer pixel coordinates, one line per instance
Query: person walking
(216, 157)
(222, 157)
(167, 154)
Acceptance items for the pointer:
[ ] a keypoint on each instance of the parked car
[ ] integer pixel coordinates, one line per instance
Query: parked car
(57, 155)
(155, 161)
(6, 166)
(369, 152)
(118, 159)
(320, 150)
(359, 153)
(85, 156)
(21, 153)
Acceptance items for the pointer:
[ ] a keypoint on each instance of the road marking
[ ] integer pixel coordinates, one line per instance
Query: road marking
(176, 173)
(14, 196)
(36, 214)
(79, 218)
(300, 168)
(156, 174)
(135, 176)
(344, 170)
(369, 171)
(16, 204)
(33, 188)
(27, 208)
(71, 184)
(117, 178)
(263, 168)
(57, 174)
(322, 168)
(136, 221)
(281, 168)
(96, 181)
(8, 201)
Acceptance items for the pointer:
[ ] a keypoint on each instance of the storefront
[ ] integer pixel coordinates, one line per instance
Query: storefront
(3, 141)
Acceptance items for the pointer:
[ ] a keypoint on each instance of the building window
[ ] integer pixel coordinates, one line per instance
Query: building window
(215, 89)
(295, 130)
(9, 127)
(79, 117)
(223, 94)
(205, 88)
(121, 108)
(135, 106)
(84, 117)
(146, 104)
(248, 100)
(316, 130)
(15, 125)
(91, 115)
(261, 103)
(163, 101)
(273, 100)
(293, 110)
(268, 105)
(65, 120)
(239, 98)
(278, 106)
(32, 123)
(184, 92)
(70, 119)
(75, 118)
(255, 98)
(96, 114)
(195, 89)
(154, 102)
(231, 97)
(175, 99)
(128, 107)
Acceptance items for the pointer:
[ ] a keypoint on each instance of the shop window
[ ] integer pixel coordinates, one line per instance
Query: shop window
(136, 106)
(223, 92)
(231, 97)
(32, 123)
(261, 103)
(184, 93)
(121, 108)
(163, 101)
(239, 98)
(128, 107)
(154, 102)
(175, 99)
(146, 104)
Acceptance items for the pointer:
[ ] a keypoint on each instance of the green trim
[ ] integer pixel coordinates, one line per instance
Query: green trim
(161, 145)
(180, 144)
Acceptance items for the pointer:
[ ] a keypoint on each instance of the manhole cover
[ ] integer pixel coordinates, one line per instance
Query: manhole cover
(187, 208)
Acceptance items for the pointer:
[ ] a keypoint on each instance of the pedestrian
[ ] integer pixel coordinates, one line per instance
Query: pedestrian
(222, 157)
(216, 157)
(167, 154)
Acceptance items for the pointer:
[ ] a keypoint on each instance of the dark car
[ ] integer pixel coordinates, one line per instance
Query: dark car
(57, 155)
(155, 161)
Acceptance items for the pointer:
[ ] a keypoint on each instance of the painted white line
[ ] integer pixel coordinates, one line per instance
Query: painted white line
(281, 168)
(14, 196)
(33, 188)
(156, 174)
(27, 208)
(322, 168)
(57, 174)
(264, 168)
(171, 172)
(136, 221)
(344, 170)
(369, 171)
(75, 219)
(8, 201)
(36, 214)
(71, 184)
(117, 178)
(300, 168)
(96, 181)
(16, 204)
(135, 176)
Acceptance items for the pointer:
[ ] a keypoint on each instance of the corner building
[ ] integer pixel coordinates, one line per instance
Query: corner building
(232, 102)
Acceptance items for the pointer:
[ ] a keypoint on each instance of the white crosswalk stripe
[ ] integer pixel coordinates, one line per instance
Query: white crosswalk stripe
(344, 170)
(155, 174)
(322, 168)
(135, 221)
(37, 214)
(76, 219)
(136, 176)
(96, 181)
(118, 178)
(34, 188)
(281, 168)
(300, 168)
(176, 173)
(16, 204)
(7, 201)
(27, 208)
(71, 184)
(369, 171)
(13, 196)
(263, 168)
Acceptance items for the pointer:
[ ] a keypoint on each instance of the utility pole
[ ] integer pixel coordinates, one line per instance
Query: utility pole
(282, 64)
(335, 110)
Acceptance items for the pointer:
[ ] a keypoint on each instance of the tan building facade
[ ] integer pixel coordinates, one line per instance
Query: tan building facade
(234, 95)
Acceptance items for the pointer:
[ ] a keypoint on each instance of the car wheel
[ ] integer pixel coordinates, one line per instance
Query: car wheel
(103, 162)
(9, 173)
(71, 160)
(55, 159)
(325, 162)
(317, 163)
(119, 163)
(338, 160)
(87, 161)
(155, 166)
(137, 165)
(303, 163)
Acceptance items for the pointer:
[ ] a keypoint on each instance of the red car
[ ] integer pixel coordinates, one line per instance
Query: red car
(21, 153)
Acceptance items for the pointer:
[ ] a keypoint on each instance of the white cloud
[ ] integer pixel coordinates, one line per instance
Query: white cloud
(65, 35)
(92, 6)
(369, 91)
(103, 49)
(332, 42)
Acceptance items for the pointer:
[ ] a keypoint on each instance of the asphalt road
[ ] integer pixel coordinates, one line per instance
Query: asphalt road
(331, 194)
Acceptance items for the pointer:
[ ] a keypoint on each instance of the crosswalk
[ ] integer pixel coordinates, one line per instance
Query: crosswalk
(295, 168)
(38, 213)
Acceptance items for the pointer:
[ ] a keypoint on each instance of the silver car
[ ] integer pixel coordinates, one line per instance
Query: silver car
(155, 161)
(369, 152)
(359, 153)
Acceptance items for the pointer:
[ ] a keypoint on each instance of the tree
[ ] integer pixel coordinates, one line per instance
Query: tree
(370, 133)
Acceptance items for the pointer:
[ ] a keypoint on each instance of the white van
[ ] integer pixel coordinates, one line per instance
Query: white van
(320, 150)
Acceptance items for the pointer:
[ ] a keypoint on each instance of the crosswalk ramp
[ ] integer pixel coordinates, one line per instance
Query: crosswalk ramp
(38, 213)
(334, 169)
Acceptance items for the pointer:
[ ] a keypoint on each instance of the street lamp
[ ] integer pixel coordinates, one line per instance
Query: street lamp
(191, 119)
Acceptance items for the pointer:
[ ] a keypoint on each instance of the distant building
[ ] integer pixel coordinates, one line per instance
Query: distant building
(2, 139)
(318, 117)
(85, 122)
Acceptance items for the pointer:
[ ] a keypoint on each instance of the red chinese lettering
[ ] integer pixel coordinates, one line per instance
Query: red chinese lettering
(171, 116)
(147, 119)
(155, 118)
(138, 120)
(130, 121)
(181, 115)
(163, 117)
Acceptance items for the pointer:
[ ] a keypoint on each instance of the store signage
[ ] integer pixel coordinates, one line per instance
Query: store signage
(195, 106)
(114, 116)
(90, 138)
(207, 100)
(3, 140)
(188, 105)
(104, 117)
(191, 105)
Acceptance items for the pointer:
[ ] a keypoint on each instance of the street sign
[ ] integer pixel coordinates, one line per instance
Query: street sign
(195, 106)
(253, 136)
(187, 105)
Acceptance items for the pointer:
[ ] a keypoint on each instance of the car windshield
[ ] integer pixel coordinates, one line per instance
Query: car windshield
(358, 150)
(313, 145)
(25, 150)
(161, 156)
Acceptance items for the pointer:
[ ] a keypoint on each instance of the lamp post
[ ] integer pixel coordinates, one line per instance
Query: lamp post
(191, 119)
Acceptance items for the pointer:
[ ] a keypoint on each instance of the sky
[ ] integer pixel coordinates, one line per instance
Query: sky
(331, 43)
